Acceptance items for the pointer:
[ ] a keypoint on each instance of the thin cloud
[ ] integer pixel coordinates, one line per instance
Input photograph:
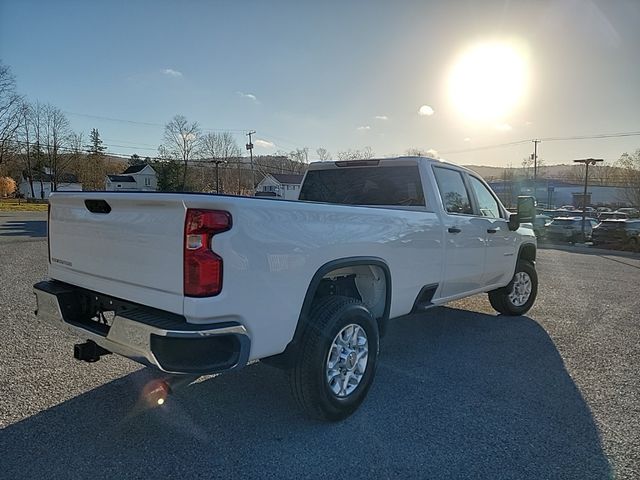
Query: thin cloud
(467, 139)
(364, 128)
(381, 117)
(425, 111)
(170, 72)
(263, 143)
(432, 153)
(504, 127)
(249, 96)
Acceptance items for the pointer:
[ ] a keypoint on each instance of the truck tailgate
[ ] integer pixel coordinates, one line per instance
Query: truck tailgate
(126, 245)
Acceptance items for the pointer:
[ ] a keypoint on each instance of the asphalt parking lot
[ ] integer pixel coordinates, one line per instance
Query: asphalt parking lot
(460, 392)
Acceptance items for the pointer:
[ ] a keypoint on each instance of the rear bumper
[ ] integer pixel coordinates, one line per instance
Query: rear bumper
(146, 335)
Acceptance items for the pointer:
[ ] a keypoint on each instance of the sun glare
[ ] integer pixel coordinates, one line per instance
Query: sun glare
(488, 81)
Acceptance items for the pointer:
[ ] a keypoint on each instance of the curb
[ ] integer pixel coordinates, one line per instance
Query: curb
(583, 248)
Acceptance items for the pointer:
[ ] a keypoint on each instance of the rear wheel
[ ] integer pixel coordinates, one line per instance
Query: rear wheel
(633, 244)
(520, 294)
(336, 361)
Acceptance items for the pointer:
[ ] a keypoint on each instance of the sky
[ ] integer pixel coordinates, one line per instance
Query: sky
(339, 75)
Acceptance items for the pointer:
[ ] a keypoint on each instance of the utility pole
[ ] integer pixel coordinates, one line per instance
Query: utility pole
(218, 162)
(253, 173)
(586, 162)
(535, 168)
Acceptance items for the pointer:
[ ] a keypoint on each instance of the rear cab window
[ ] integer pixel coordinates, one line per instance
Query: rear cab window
(367, 186)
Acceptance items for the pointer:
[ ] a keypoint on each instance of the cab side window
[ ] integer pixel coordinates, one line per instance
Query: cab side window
(453, 192)
(486, 202)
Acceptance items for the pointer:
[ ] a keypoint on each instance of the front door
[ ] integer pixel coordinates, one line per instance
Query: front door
(501, 242)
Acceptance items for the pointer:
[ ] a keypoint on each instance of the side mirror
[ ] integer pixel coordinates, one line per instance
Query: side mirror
(514, 222)
(526, 209)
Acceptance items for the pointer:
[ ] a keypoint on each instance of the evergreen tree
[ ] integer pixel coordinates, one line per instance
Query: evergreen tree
(95, 146)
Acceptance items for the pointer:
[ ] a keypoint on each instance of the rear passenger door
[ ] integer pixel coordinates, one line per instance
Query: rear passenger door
(464, 234)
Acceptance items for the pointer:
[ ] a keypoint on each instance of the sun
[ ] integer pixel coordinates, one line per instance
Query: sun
(489, 80)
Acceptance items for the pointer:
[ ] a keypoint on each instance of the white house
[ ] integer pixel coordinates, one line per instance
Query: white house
(282, 185)
(43, 184)
(141, 178)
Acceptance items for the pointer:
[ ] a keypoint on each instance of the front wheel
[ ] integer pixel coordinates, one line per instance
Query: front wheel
(336, 361)
(518, 296)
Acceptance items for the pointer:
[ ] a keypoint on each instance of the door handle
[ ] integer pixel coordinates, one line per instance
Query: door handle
(492, 230)
(454, 230)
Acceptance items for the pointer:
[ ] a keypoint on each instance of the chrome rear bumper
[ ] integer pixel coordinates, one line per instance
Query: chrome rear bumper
(145, 335)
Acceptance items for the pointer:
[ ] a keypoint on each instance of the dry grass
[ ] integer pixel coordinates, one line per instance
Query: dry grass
(13, 205)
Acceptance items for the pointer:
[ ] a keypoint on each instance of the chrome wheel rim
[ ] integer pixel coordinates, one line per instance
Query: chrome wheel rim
(347, 360)
(521, 289)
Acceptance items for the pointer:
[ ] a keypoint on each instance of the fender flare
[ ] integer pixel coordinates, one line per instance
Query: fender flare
(285, 358)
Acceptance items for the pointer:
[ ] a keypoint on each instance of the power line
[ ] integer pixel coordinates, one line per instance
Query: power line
(545, 139)
(148, 124)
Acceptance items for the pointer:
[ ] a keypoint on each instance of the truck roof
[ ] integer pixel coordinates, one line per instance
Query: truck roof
(381, 162)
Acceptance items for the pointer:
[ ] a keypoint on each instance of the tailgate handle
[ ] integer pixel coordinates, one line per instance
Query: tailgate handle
(97, 206)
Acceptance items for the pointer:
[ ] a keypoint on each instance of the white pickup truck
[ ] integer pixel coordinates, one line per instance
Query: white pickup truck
(195, 284)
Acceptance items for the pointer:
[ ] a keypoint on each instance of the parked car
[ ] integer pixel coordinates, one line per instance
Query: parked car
(569, 229)
(617, 233)
(567, 207)
(630, 212)
(198, 284)
(613, 216)
(539, 224)
(554, 213)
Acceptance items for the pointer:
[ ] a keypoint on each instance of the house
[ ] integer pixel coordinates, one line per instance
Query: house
(283, 185)
(43, 184)
(137, 178)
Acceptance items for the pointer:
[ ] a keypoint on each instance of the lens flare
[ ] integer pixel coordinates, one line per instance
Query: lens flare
(489, 80)
(155, 393)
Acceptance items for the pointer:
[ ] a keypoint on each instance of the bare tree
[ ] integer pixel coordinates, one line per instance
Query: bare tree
(364, 154)
(630, 163)
(181, 142)
(57, 133)
(323, 154)
(527, 166)
(220, 148)
(25, 139)
(10, 110)
(300, 155)
(36, 120)
(415, 152)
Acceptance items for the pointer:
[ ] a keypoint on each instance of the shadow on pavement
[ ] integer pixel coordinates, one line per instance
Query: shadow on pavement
(457, 395)
(24, 228)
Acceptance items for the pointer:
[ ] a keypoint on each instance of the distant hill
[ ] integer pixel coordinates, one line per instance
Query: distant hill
(599, 175)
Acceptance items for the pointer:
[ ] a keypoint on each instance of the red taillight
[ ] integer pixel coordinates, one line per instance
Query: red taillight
(202, 267)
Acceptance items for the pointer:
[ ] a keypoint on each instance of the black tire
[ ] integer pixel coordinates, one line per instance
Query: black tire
(500, 300)
(633, 244)
(307, 375)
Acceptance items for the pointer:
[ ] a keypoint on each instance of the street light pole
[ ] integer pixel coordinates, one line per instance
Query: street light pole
(586, 162)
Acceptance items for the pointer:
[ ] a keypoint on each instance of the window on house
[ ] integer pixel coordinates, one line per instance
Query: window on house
(147, 182)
